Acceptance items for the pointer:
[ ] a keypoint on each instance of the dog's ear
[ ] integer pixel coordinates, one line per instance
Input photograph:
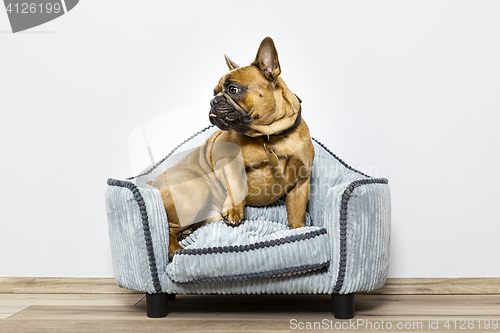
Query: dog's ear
(267, 60)
(231, 64)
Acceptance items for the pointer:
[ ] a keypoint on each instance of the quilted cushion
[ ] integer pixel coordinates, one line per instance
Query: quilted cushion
(261, 247)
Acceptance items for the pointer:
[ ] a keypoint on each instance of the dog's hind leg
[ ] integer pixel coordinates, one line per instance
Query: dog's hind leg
(173, 245)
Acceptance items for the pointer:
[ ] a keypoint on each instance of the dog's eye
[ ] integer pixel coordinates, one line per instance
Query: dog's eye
(233, 90)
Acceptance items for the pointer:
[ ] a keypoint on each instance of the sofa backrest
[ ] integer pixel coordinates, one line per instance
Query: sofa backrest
(328, 170)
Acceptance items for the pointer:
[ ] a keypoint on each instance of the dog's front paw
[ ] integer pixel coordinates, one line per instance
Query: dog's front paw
(184, 234)
(234, 216)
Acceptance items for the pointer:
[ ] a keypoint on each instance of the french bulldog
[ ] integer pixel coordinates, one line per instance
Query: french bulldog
(261, 152)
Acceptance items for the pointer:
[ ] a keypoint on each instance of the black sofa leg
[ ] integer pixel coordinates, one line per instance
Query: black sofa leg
(156, 305)
(343, 306)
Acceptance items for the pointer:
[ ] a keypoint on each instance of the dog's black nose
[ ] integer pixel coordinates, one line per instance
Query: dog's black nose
(217, 99)
(214, 101)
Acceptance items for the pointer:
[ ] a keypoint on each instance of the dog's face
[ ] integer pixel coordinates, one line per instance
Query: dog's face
(249, 100)
(242, 97)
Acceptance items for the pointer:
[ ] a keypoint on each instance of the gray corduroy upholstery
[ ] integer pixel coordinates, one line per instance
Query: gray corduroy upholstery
(344, 249)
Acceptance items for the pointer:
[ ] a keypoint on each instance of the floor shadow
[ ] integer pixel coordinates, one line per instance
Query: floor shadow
(249, 303)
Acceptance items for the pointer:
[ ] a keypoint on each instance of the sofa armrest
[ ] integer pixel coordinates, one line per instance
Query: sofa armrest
(138, 231)
(359, 222)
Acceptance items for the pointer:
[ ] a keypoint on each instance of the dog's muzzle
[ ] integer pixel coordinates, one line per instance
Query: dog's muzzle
(226, 114)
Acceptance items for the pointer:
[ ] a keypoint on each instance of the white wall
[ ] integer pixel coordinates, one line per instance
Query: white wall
(408, 90)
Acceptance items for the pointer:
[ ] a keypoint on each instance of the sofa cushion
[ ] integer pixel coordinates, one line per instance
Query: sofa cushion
(261, 247)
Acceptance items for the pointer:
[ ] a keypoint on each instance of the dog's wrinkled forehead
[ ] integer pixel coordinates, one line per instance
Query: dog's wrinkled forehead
(243, 78)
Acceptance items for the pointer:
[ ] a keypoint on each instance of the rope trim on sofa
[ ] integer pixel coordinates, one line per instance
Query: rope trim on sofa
(262, 275)
(147, 172)
(251, 247)
(145, 226)
(338, 158)
(343, 225)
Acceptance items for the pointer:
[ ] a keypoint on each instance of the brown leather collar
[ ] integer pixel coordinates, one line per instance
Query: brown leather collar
(291, 128)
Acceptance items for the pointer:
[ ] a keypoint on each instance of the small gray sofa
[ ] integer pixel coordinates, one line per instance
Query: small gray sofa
(343, 249)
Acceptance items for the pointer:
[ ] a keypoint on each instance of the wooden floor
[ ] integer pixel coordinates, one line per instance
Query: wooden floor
(263, 313)
(103, 311)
